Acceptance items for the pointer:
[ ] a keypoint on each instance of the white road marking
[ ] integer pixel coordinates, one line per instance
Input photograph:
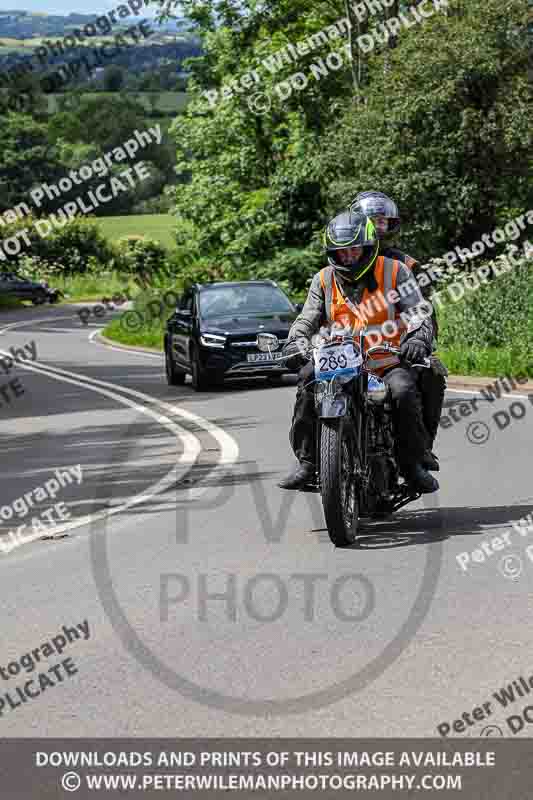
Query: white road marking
(191, 447)
(506, 396)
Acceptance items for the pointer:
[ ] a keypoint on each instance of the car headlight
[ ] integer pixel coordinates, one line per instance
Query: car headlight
(211, 340)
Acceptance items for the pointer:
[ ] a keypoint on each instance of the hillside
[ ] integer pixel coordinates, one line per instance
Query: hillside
(16, 24)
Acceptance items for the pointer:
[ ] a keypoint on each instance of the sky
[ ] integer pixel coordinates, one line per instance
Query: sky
(64, 7)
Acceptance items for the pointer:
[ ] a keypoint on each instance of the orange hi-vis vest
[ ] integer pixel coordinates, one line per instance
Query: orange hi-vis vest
(375, 312)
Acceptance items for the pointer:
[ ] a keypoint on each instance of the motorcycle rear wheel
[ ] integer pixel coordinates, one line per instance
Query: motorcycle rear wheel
(340, 496)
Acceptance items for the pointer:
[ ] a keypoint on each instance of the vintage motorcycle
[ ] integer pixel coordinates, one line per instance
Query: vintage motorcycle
(357, 462)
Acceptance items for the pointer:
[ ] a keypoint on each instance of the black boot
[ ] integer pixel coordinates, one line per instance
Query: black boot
(430, 461)
(420, 479)
(299, 477)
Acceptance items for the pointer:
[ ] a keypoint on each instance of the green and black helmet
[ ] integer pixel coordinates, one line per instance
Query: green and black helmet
(352, 244)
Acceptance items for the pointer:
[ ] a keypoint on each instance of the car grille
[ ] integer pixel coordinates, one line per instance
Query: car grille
(252, 343)
(247, 343)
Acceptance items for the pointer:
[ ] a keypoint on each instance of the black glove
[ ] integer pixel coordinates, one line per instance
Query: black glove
(295, 350)
(413, 351)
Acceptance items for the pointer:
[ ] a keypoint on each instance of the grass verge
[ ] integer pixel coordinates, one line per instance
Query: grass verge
(150, 335)
(489, 362)
(92, 287)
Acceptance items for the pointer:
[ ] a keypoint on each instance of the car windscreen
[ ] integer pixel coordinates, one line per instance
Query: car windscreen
(230, 300)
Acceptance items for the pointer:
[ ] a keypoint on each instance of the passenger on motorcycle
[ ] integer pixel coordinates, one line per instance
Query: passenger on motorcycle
(355, 289)
(385, 215)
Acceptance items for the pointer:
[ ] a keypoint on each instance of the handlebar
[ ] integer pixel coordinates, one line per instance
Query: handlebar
(388, 348)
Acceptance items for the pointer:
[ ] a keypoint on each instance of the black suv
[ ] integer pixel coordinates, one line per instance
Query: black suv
(212, 334)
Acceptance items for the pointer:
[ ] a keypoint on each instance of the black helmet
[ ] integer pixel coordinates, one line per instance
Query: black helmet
(375, 204)
(348, 230)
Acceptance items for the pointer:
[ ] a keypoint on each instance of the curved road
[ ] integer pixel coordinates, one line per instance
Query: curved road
(216, 604)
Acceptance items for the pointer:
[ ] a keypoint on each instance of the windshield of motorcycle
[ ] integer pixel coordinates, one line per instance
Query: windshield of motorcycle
(338, 360)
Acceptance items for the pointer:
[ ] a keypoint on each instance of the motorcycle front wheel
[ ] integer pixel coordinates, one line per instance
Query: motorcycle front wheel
(338, 481)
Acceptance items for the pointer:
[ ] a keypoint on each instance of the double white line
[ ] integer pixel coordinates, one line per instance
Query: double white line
(147, 405)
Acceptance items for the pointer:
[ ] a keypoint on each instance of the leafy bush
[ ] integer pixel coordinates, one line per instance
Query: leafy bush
(497, 315)
(293, 269)
(154, 205)
(68, 250)
(77, 245)
(141, 256)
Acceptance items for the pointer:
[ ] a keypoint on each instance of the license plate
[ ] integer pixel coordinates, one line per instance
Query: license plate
(265, 356)
(337, 360)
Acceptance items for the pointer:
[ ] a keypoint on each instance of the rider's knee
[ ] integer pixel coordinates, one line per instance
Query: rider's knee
(403, 390)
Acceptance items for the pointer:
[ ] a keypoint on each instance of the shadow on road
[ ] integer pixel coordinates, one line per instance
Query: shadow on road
(426, 526)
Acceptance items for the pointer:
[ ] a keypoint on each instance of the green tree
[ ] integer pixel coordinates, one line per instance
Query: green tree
(27, 158)
(113, 78)
(103, 122)
(437, 116)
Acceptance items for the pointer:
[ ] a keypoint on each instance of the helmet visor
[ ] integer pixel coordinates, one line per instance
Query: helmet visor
(354, 270)
(378, 206)
(347, 256)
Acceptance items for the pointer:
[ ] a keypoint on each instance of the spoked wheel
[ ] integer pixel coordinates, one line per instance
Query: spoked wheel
(339, 484)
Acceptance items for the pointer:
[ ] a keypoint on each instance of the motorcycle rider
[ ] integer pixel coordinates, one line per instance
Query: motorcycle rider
(349, 291)
(384, 213)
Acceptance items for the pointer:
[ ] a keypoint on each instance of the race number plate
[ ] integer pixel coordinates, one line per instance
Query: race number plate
(338, 360)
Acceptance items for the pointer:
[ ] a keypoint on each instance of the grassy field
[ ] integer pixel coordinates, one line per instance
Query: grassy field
(167, 103)
(156, 226)
(161, 102)
(27, 46)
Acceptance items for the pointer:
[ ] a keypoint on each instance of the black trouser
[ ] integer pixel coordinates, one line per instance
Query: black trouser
(432, 383)
(409, 430)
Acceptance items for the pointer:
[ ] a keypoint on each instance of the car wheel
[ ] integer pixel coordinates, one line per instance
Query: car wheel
(200, 381)
(175, 377)
(39, 298)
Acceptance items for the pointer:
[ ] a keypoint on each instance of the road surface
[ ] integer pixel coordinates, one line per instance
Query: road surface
(207, 602)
